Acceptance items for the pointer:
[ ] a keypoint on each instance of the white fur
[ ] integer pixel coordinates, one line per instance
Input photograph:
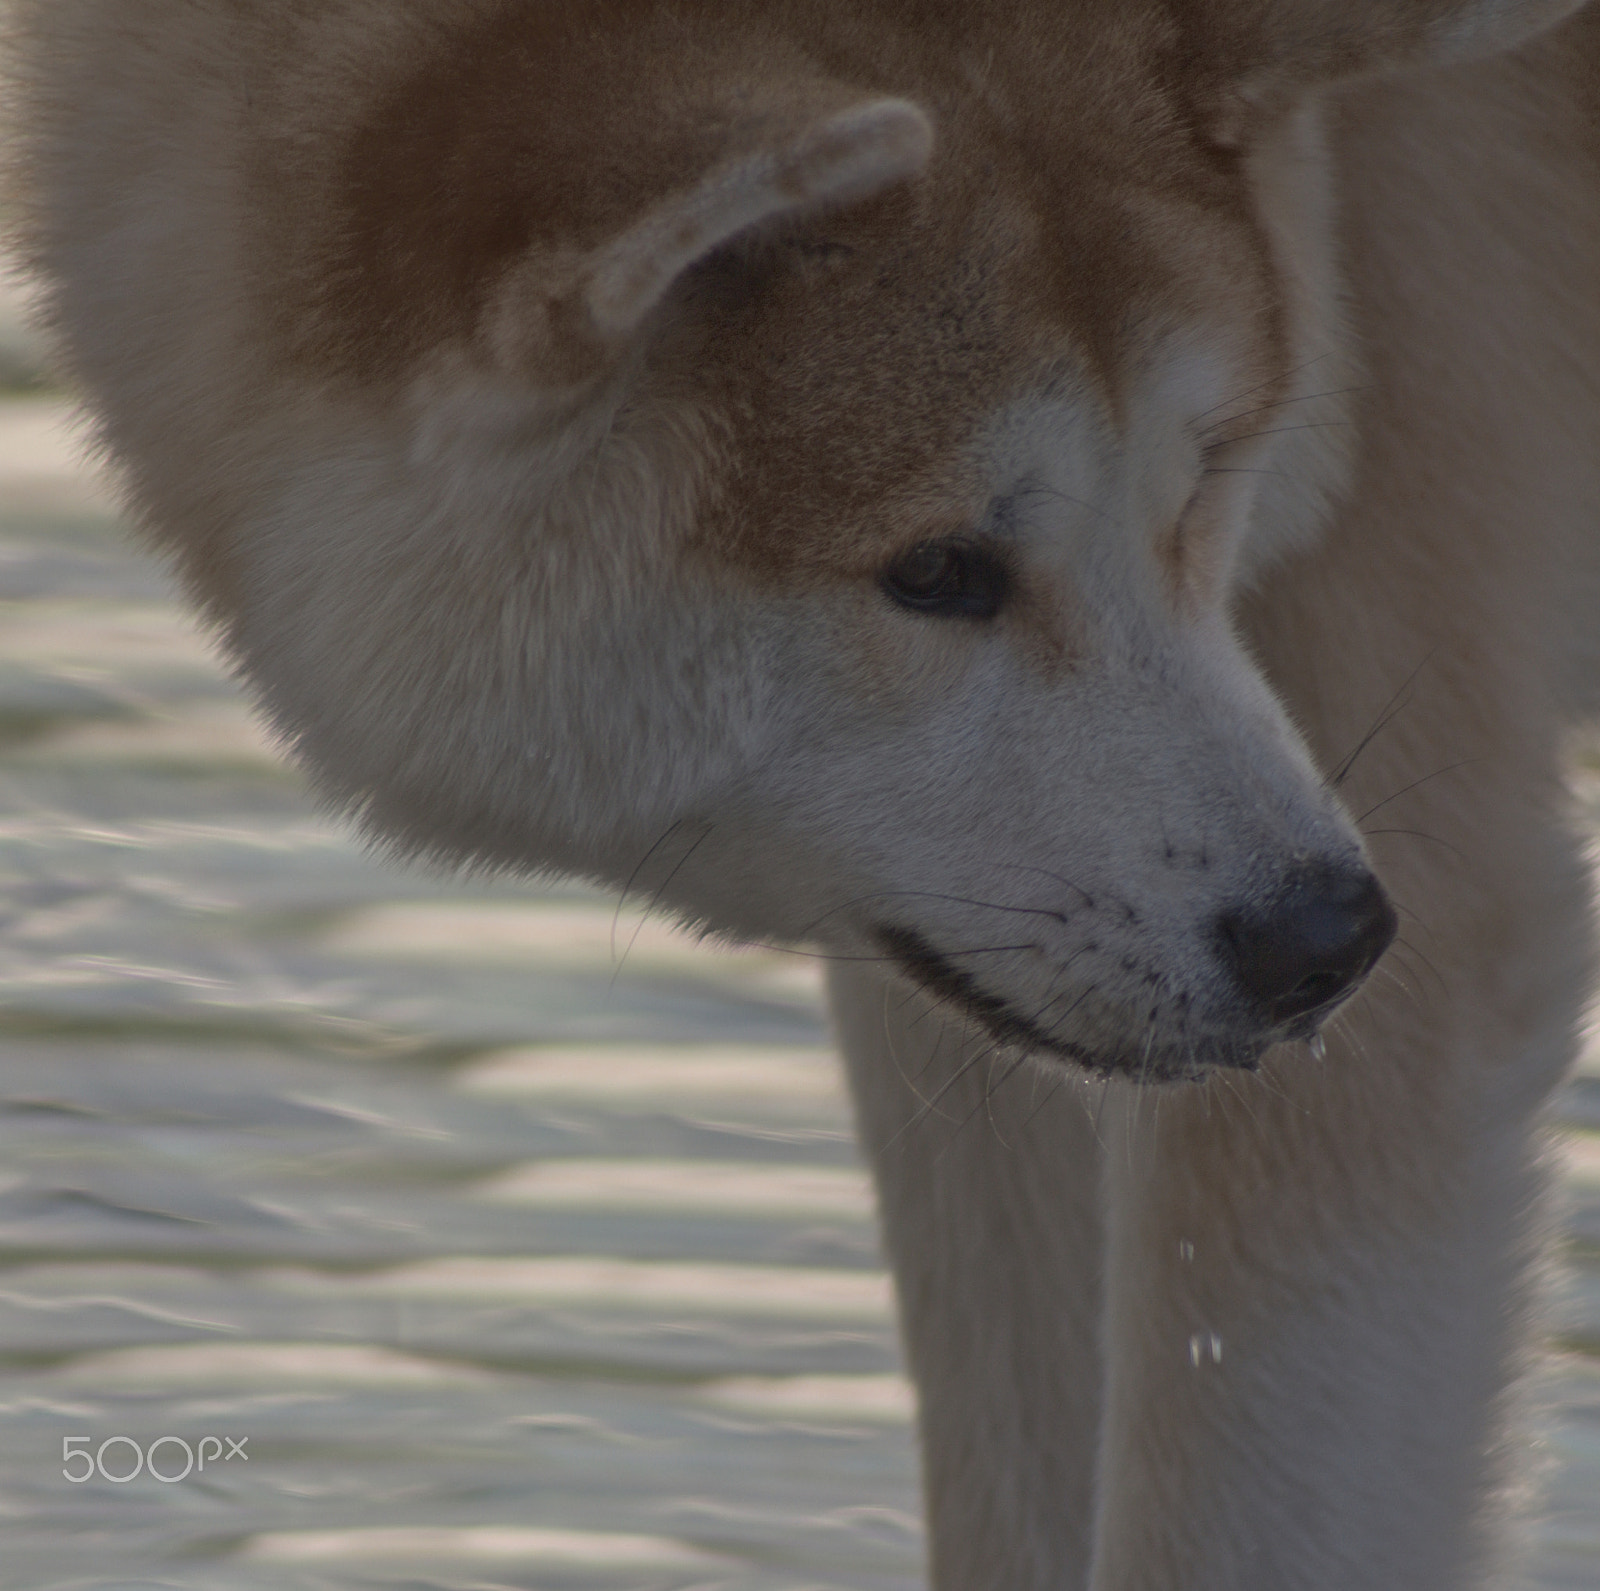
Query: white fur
(1253, 1333)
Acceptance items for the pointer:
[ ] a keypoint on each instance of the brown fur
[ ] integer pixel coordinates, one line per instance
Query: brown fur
(1272, 317)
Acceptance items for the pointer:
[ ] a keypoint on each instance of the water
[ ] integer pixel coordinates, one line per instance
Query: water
(503, 1264)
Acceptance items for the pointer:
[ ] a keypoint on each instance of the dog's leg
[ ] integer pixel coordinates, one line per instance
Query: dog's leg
(1317, 1278)
(987, 1173)
(1316, 1305)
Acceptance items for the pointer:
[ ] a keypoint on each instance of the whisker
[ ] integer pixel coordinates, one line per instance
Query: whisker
(1389, 975)
(1410, 949)
(926, 894)
(1400, 906)
(1100, 1110)
(1144, 1056)
(1059, 878)
(933, 1054)
(1274, 1085)
(828, 955)
(894, 1053)
(1037, 1019)
(655, 900)
(1417, 834)
(1282, 403)
(1438, 773)
(990, 950)
(1261, 386)
(1044, 872)
(1283, 430)
(972, 1115)
(932, 1103)
(993, 1089)
(1351, 1035)
(1044, 489)
(1231, 1082)
(1057, 1084)
(1394, 705)
(639, 867)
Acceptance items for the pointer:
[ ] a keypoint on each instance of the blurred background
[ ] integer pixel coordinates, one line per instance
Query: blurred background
(496, 1236)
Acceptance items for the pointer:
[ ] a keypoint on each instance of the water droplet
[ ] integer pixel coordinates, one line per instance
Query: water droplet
(1185, 1249)
(1317, 1046)
(1216, 1349)
(1194, 1350)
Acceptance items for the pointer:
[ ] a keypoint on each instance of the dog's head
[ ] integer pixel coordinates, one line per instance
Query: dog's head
(795, 465)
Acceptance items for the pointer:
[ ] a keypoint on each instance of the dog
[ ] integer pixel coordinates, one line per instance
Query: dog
(1088, 512)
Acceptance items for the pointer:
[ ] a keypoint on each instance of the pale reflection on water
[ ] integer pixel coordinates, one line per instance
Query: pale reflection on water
(506, 1267)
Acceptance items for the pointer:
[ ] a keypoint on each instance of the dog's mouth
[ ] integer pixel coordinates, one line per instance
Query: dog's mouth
(1283, 960)
(1143, 1061)
(940, 976)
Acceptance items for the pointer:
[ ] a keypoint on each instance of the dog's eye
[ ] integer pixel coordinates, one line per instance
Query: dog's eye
(948, 578)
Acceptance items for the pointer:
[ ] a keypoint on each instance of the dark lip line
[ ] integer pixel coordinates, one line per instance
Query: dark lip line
(926, 966)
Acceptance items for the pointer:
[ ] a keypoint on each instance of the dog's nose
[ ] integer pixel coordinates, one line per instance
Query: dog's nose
(1320, 936)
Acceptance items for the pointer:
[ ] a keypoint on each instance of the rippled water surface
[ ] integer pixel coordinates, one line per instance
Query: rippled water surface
(521, 1243)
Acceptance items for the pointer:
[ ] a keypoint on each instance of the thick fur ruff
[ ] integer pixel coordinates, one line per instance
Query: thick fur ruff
(1008, 493)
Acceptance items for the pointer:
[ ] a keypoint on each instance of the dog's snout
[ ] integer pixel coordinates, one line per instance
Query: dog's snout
(1320, 935)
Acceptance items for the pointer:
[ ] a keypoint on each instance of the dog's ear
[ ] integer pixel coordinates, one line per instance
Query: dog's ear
(1276, 46)
(572, 315)
(849, 155)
